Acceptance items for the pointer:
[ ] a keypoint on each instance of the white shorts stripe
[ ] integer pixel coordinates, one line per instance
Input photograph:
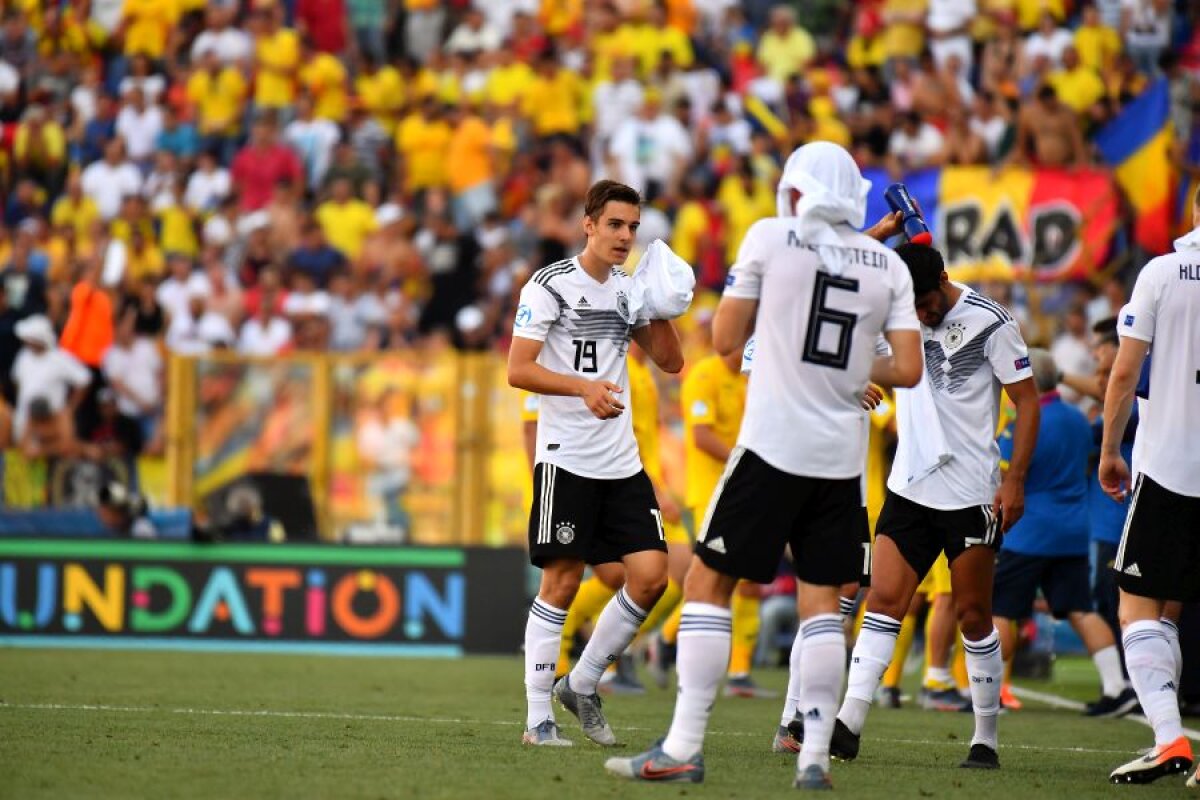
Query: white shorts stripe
(730, 466)
(1119, 561)
(546, 506)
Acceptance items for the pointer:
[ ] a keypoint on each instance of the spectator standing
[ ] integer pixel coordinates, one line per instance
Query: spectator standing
(471, 180)
(133, 368)
(346, 220)
(325, 79)
(1146, 28)
(1072, 353)
(42, 370)
(423, 22)
(277, 59)
(313, 139)
(650, 151)
(324, 23)
(230, 44)
(110, 180)
(216, 93)
(265, 334)
(368, 24)
(261, 164)
(198, 331)
(785, 49)
(315, 257)
(949, 25)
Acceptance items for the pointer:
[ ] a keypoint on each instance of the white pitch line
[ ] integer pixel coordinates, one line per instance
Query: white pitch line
(1055, 701)
(336, 715)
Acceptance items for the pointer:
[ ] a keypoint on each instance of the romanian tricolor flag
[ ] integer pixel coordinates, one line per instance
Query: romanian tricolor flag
(1137, 145)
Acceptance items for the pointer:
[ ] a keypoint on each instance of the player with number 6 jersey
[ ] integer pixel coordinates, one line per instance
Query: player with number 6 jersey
(816, 293)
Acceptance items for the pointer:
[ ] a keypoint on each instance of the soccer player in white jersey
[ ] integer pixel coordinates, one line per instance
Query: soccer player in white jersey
(952, 501)
(817, 294)
(593, 502)
(1158, 559)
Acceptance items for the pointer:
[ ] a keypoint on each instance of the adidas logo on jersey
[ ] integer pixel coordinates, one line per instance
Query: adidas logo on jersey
(717, 545)
(583, 303)
(1133, 571)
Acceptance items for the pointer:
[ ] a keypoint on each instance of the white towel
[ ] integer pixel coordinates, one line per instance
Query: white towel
(833, 192)
(662, 284)
(921, 448)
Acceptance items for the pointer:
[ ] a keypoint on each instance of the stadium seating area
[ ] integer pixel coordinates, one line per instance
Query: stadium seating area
(275, 176)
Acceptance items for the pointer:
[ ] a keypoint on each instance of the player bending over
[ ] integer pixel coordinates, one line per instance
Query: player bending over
(945, 493)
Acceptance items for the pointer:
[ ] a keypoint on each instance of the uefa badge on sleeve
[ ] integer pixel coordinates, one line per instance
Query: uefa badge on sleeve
(524, 316)
(565, 533)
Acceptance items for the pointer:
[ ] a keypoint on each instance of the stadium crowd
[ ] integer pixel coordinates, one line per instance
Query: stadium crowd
(269, 176)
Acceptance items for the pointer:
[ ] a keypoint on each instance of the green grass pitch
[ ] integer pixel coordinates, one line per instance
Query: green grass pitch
(139, 724)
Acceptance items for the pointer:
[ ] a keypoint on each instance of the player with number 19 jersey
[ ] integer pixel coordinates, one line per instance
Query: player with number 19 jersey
(586, 327)
(819, 316)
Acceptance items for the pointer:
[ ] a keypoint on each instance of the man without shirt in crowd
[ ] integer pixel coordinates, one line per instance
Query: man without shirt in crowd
(805, 280)
(957, 504)
(594, 503)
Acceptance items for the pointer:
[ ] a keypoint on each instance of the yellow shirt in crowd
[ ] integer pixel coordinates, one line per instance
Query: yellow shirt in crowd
(422, 143)
(217, 100)
(79, 214)
(1079, 88)
(1098, 45)
(325, 79)
(278, 56)
(711, 395)
(148, 25)
(691, 227)
(904, 39)
(470, 151)
(346, 225)
(553, 104)
(382, 95)
(1029, 12)
(742, 209)
(781, 56)
(506, 84)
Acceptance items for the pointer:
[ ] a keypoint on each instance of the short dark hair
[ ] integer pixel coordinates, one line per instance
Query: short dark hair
(1106, 331)
(925, 264)
(604, 192)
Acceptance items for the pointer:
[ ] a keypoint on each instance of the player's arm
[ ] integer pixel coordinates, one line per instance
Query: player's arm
(1010, 498)
(1118, 405)
(660, 340)
(904, 366)
(733, 323)
(525, 373)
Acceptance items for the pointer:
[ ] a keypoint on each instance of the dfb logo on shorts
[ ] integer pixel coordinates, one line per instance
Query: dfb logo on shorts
(565, 533)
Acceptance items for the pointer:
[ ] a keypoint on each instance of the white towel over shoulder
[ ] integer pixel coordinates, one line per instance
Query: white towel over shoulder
(922, 447)
(662, 284)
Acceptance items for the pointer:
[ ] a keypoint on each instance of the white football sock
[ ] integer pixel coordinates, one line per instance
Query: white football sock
(822, 670)
(872, 654)
(543, 636)
(1152, 670)
(792, 699)
(705, 634)
(1108, 664)
(985, 667)
(1172, 631)
(615, 628)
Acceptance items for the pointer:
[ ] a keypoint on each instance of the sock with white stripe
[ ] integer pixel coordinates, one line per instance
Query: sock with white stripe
(872, 654)
(1108, 664)
(1172, 631)
(1152, 670)
(822, 670)
(705, 633)
(615, 628)
(846, 606)
(985, 666)
(543, 632)
(792, 698)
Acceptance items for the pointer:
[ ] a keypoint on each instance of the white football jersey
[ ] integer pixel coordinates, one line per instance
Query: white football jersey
(815, 343)
(585, 327)
(1165, 311)
(976, 350)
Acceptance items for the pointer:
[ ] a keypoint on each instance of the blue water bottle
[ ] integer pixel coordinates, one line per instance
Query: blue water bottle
(898, 199)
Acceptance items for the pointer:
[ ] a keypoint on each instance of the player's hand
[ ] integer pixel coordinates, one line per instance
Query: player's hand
(872, 397)
(888, 226)
(670, 510)
(1114, 476)
(601, 399)
(1009, 504)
